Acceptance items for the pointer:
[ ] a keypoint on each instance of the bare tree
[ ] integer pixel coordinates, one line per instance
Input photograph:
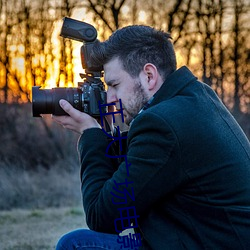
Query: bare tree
(239, 53)
(107, 11)
(217, 32)
(4, 56)
(11, 89)
(66, 8)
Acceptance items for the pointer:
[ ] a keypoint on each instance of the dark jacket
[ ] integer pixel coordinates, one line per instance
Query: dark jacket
(190, 172)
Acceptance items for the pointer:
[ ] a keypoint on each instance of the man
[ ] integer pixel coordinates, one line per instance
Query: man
(184, 182)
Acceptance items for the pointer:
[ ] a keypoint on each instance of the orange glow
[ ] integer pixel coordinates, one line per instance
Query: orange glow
(180, 58)
(42, 67)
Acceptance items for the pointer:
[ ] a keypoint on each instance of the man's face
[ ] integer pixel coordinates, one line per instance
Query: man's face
(122, 86)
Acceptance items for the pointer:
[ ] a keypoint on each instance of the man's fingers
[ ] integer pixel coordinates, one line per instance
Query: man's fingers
(75, 120)
(68, 108)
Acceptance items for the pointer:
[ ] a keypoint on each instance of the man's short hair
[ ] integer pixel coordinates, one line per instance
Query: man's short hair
(135, 46)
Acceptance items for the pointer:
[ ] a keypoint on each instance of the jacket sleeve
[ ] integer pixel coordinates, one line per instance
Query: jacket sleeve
(150, 169)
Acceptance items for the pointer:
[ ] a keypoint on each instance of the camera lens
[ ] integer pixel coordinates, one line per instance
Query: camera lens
(46, 101)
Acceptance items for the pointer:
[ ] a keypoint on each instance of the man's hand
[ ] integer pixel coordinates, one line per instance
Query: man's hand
(77, 120)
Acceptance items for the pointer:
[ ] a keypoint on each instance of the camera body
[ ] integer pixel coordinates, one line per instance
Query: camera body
(90, 93)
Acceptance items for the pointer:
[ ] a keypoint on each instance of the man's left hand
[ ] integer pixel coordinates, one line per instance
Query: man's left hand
(77, 120)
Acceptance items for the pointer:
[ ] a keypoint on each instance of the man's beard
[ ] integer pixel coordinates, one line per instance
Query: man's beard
(135, 104)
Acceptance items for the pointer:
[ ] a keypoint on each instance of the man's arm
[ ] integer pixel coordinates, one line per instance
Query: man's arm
(153, 172)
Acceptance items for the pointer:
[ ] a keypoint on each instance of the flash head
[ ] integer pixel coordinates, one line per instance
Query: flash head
(86, 33)
(76, 30)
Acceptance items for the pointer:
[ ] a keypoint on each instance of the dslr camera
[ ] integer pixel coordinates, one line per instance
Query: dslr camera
(90, 93)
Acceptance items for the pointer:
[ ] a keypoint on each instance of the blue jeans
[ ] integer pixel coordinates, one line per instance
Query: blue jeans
(88, 240)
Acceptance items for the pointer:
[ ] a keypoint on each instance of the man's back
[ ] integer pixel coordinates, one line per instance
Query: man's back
(206, 204)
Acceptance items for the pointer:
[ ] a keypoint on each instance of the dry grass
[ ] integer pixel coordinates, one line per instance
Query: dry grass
(39, 184)
(37, 229)
(20, 188)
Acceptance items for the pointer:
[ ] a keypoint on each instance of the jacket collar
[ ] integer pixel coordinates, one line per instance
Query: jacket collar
(173, 84)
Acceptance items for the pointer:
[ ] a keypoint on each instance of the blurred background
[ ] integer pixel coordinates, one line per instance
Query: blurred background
(38, 159)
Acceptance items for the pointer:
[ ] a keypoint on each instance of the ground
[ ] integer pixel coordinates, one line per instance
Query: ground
(37, 229)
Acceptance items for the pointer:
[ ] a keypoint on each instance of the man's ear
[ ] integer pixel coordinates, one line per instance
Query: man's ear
(152, 75)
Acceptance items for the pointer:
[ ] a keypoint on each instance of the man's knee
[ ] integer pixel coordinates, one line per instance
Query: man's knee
(69, 240)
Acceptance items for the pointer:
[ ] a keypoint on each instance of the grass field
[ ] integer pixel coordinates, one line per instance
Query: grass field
(37, 229)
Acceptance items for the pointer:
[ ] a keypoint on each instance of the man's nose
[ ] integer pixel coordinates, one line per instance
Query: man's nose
(111, 97)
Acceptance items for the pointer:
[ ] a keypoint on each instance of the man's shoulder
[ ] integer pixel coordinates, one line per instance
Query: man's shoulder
(170, 108)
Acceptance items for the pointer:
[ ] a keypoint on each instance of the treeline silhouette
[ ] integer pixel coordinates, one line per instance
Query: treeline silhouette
(211, 37)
